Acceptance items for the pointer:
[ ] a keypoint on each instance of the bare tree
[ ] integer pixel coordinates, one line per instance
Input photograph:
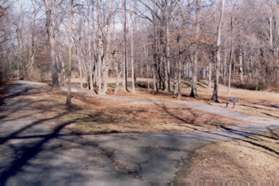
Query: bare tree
(194, 92)
(125, 31)
(102, 49)
(132, 25)
(70, 55)
(215, 96)
(50, 6)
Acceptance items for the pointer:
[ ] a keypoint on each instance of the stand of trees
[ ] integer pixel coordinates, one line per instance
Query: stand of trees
(166, 42)
(3, 37)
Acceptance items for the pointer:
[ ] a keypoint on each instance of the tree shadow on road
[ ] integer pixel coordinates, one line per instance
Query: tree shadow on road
(29, 146)
(28, 153)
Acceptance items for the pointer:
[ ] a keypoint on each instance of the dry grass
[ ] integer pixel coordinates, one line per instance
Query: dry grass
(232, 163)
(126, 117)
(266, 98)
(120, 115)
(259, 103)
(94, 114)
(97, 114)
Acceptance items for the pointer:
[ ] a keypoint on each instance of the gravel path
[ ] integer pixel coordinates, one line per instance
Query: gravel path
(40, 151)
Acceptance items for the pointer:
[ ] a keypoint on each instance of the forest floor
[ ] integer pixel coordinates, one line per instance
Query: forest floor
(135, 138)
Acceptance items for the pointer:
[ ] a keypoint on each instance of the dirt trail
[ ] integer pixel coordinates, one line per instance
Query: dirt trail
(37, 149)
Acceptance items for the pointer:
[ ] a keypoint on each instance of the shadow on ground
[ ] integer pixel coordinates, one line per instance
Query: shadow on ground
(43, 151)
(37, 148)
(266, 139)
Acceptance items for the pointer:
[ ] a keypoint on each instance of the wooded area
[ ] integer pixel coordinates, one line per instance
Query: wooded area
(165, 42)
(139, 92)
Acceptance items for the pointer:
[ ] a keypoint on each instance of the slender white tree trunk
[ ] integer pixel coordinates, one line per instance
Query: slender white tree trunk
(132, 53)
(125, 66)
(168, 68)
(241, 67)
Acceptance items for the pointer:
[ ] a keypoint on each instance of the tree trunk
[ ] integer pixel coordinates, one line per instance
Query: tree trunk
(230, 77)
(167, 70)
(271, 31)
(179, 76)
(194, 92)
(230, 57)
(132, 55)
(69, 79)
(50, 8)
(215, 96)
(147, 66)
(210, 75)
(69, 70)
(125, 68)
(241, 67)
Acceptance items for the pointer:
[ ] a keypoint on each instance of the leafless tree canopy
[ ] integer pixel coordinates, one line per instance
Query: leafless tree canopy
(112, 45)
